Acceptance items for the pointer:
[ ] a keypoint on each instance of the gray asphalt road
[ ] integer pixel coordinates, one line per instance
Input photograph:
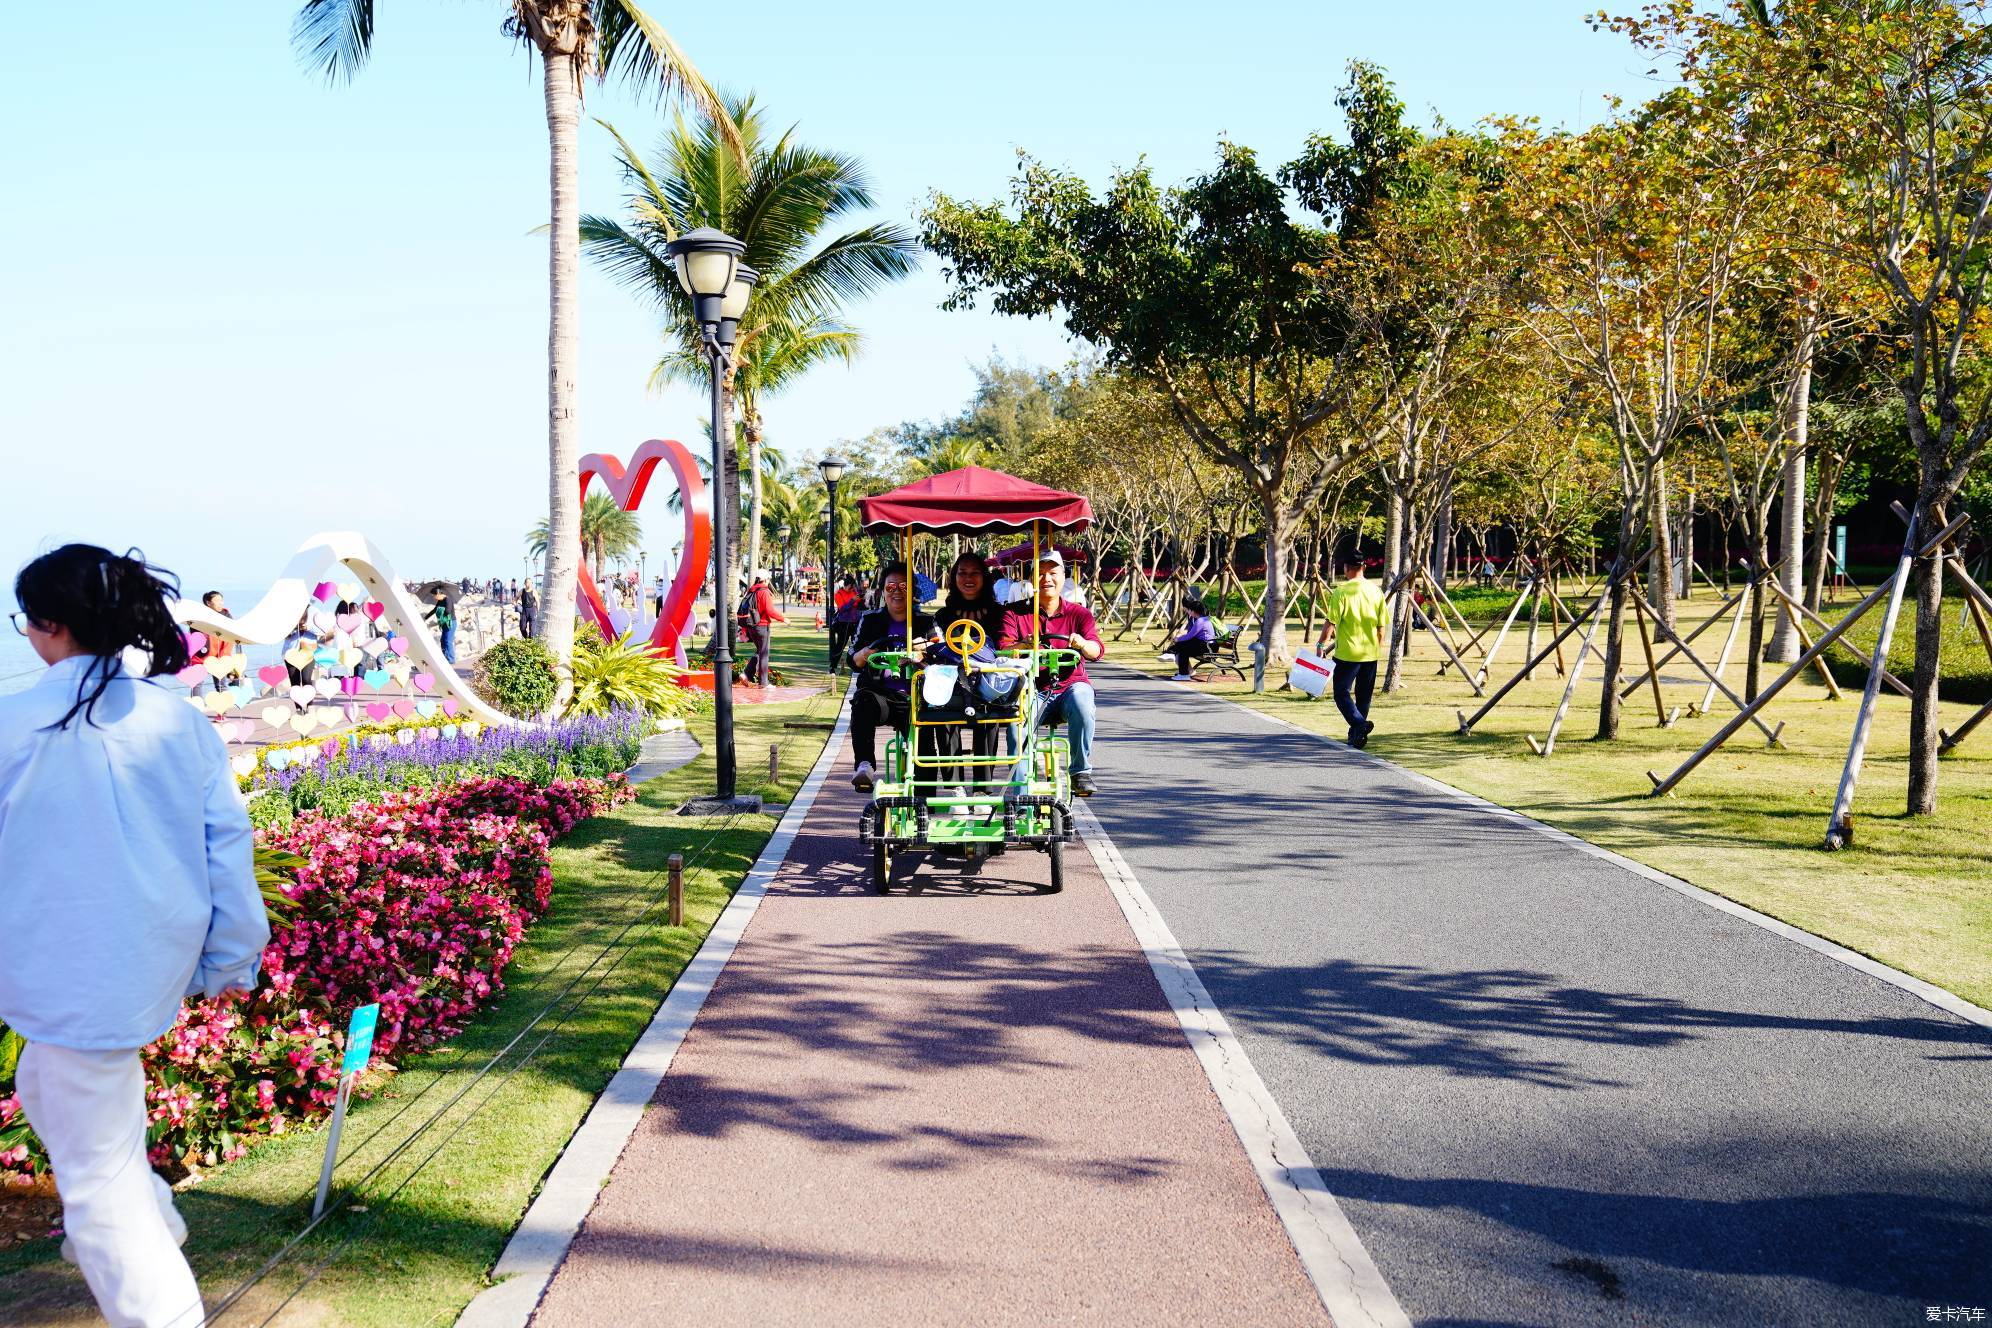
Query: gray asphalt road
(1545, 1089)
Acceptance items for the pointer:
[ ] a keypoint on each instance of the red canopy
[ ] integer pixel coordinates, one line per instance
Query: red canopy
(973, 500)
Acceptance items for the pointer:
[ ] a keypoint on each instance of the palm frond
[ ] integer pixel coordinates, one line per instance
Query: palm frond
(629, 259)
(633, 46)
(334, 37)
(847, 269)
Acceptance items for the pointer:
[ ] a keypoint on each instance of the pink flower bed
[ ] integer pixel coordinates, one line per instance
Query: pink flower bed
(416, 901)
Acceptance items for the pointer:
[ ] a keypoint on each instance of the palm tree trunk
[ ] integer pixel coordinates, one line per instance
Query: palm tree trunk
(752, 419)
(556, 627)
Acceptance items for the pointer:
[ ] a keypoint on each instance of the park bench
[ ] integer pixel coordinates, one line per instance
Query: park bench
(1223, 656)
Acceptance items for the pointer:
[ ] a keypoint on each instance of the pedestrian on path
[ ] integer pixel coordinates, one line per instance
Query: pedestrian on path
(128, 883)
(1063, 697)
(528, 610)
(882, 697)
(1354, 627)
(442, 614)
(758, 615)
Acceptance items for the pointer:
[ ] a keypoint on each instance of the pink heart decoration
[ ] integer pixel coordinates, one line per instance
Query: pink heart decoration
(398, 644)
(626, 485)
(325, 592)
(423, 681)
(196, 642)
(273, 675)
(330, 746)
(348, 622)
(374, 609)
(191, 676)
(450, 705)
(350, 686)
(404, 707)
(378, 711)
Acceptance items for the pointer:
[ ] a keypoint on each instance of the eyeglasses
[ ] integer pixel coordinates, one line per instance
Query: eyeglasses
(21, 622)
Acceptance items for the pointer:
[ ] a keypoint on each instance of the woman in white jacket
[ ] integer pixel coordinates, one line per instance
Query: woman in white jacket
(128, 883)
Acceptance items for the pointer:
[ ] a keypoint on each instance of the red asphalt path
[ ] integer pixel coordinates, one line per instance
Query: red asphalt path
(969, 1105)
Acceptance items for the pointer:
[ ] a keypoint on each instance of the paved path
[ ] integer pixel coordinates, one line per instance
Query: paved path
(1545, 1089)
(965, 1106)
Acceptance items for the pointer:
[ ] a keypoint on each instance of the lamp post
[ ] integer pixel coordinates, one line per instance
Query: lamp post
(710, 270)
(832, 469)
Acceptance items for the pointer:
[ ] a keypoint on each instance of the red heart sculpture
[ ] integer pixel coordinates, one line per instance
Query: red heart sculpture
(626, 485)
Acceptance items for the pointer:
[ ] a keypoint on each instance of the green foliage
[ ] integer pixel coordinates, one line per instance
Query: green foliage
(609, 532)
(623, 673)
(517, 675)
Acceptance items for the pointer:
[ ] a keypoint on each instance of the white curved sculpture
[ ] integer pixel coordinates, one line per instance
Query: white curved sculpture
(293, 593)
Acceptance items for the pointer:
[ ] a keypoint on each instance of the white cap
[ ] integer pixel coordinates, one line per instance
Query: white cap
(760, 574)
(1052, 556)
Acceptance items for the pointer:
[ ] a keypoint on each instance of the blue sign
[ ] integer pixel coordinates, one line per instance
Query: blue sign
(1840, 547)
(360, 1039)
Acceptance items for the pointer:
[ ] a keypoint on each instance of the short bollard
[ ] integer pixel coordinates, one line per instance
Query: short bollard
(1258, 649)
(676, 865)
(774, 761)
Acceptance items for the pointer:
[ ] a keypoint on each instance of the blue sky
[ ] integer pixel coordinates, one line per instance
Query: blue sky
(243, 305)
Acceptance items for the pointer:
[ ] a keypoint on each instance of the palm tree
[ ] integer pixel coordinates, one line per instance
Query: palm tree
(607, 531)
(777, 196)
(574, 38)
(954, 454)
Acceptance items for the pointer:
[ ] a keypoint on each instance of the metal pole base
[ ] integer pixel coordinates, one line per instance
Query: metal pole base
(749, 805)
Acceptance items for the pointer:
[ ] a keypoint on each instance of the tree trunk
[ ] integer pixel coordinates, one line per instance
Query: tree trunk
(1784, 642)
(1393, 534)
(1928, 576)
(729, 558)
(1609, 705)
(1660, 571)
(1272, 629)
(556, 624)
(1442, 538)
(752, 421)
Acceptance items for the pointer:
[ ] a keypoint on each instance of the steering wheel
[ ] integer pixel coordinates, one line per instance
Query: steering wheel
(965, 636)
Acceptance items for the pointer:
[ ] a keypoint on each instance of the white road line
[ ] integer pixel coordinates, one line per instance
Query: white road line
(575, 1183)
(1947, 1001)
(1354, 1292)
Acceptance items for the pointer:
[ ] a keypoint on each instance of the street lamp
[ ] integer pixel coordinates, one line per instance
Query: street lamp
(710, 270)
(832, 470)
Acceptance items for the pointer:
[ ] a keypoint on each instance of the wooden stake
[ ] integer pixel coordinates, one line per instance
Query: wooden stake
(1629, 688)
(1839, 828)
(675, 915)
(1570, 688)
(1894, 683)
(1466, 724)
(1803, 662)
(1728, 644)
(1646, 645)
(1770, 734)
(1487, 660)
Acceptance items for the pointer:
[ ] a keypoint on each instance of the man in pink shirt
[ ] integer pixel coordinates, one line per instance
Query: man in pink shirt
(1063, 697)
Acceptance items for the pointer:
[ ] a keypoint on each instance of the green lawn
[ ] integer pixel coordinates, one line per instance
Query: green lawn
(1915, 893)
(419, 1256)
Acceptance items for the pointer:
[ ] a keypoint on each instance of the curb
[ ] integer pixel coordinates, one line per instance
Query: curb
(568, 1194)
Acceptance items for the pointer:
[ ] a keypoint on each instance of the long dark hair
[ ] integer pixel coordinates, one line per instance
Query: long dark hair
(109, 604)
(956, 600)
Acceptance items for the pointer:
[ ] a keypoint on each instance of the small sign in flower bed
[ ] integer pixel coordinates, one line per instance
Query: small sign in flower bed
(414, 897)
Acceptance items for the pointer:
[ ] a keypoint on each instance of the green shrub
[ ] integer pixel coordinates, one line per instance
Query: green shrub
(623, 674)
(517, 676)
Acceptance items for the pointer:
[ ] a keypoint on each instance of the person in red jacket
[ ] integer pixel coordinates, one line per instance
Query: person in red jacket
(757, 615)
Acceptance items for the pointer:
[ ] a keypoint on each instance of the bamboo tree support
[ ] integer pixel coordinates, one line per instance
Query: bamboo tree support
(1798, 666)
(1977, 601)
(1721, 610)
(1555, 627)
(1893, 683)
(1548, 745)
(1840, 826)
(1652, 673)
(1742, 602)
(1487, 661)
(1471, 681)
(1770, 734)
(1535, 617)
(1466, 722)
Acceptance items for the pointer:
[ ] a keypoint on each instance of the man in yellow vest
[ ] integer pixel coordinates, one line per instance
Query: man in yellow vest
(1356, 612)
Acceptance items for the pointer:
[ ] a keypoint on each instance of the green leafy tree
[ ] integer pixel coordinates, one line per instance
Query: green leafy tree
(608, 532)
(1211, 292)
(575, 39)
